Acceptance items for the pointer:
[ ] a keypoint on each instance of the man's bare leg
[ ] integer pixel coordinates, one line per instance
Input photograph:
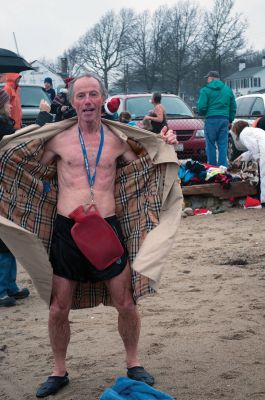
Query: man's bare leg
(59, 331)
(128, 324)
(128, 320)
(59, 327)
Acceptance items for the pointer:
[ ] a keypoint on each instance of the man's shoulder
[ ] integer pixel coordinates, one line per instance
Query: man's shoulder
(69, 131)
(109, 132)
(204, 89)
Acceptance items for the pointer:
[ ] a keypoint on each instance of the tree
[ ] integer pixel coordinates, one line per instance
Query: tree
(147, 46)
(223, 34)
(183, 36)
(103, 47)
(74, 60)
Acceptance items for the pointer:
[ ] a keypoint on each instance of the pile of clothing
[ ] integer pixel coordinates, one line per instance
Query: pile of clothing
(195, 173)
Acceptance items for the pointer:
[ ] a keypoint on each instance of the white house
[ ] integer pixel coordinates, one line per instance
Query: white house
(247, 80)
(37, 76)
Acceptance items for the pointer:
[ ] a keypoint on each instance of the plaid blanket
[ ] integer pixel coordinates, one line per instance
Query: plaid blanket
(148, 203)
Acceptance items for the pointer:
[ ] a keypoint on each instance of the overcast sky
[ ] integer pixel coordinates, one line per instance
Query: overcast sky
(46, 29)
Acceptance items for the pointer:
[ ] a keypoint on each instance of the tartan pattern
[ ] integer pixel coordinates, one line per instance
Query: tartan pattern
(22, 198)
(138, 204)
(139, 188)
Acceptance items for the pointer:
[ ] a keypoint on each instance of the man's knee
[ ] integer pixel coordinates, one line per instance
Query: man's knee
(125, 305)
(59, 311)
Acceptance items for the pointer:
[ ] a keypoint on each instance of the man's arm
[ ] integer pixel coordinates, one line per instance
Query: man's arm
(166, 134)
(129, 155)
(232, 110)
(202, 103)
(49, 154)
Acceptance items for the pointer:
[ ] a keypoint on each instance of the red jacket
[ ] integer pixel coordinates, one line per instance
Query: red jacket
(14, 93)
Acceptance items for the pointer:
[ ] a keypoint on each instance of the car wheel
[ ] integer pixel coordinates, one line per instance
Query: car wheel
(232, 152)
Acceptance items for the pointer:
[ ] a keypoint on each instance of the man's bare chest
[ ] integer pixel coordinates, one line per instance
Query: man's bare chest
(73, 157)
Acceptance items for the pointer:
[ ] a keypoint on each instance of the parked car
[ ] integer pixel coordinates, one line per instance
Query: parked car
(249, 107)
(30, 100)
(188, 129)
(30, 96)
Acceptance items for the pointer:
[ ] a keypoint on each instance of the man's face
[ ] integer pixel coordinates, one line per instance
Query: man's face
(87, 100)
(47, 85)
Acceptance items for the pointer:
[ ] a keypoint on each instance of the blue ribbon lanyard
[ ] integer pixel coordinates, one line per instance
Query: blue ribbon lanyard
(91, 179)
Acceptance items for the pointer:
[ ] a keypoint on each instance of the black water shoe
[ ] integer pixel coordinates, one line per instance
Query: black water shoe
(52, 385)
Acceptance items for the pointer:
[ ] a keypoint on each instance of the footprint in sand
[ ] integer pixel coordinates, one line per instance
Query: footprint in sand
(239, 335)
(256, 306)
(155, 348)
(230, 375)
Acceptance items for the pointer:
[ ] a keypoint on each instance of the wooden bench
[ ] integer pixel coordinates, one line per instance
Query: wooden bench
(237, 189)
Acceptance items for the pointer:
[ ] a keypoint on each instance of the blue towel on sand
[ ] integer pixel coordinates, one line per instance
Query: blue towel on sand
(128, 389)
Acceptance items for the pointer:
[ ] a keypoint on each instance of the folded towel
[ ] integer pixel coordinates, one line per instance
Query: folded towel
(128, 389)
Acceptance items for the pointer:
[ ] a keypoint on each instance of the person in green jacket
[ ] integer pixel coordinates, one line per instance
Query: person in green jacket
(217, 103)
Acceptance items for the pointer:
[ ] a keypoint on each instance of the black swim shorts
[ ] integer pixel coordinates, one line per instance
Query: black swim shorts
(67, 260)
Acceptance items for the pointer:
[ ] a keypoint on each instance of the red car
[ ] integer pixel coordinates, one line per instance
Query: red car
(188, 129)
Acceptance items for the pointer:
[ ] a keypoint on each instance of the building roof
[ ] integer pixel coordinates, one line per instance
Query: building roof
(245, 73)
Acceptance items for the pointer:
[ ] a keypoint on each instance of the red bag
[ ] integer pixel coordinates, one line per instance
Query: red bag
(95, 238)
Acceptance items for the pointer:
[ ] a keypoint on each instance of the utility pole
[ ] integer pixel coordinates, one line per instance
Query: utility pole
(15, 40)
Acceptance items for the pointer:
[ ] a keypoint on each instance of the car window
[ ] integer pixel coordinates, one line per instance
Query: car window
(176, 107)
(258, 107)
(32, 95)
(138, 107)
(244, 105)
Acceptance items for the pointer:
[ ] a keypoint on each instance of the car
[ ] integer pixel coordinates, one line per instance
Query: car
(249, 107)
(180, 118)
(30, 97)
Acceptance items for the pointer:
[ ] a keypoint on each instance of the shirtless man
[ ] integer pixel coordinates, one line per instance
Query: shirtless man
(87, 95)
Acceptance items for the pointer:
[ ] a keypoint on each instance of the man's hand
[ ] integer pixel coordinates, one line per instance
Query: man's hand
(168, 135)
(237, 162)
(44, 106)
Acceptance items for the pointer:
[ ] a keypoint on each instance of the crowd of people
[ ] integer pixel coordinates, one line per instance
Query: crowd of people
(91, 180)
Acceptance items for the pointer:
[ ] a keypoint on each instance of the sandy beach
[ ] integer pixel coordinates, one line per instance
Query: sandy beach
(202, 334)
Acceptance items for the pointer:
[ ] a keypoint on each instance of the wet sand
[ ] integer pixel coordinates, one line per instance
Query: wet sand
(202, 335)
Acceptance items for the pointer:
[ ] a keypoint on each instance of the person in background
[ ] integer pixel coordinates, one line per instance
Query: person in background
(259, 123)
(158, 118)
(217, 103)
(48, 88)
(254, 140)
(126, 118)
(60, 105)
(9, 290)
(110, 108)
(13, 90)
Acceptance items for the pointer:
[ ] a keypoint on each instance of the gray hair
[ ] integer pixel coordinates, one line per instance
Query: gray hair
(103, 90)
